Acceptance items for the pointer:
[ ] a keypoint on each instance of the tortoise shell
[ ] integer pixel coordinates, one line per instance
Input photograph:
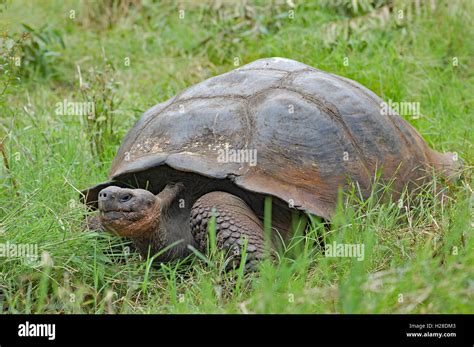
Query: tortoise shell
(312, 132)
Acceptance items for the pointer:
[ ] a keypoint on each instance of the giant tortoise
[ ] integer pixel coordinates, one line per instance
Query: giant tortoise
(273, 128)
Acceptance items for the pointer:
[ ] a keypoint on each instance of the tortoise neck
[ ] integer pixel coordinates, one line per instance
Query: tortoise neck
(169, 237)
(152, 239)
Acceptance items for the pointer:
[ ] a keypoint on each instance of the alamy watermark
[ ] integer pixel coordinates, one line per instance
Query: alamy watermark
(345, 250)
(29, 251)
(405, 108)
(72, 108)
(237, 156)
(37, 330)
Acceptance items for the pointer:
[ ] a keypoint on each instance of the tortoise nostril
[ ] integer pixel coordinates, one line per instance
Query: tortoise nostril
(102, 195)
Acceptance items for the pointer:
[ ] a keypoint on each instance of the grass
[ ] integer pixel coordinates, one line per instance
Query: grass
(418, 256)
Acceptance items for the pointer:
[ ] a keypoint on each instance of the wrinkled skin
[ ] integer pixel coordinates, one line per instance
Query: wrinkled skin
(129, 212)
(160, 224)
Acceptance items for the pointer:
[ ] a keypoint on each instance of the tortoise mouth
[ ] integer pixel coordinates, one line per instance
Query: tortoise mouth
(123, 223)
(111, 215)
(129, 222)
(120, 217)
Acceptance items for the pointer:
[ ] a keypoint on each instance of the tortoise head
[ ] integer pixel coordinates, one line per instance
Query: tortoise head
(132, 213)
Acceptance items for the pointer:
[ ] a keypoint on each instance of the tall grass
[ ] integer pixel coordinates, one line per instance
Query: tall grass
(418, 257)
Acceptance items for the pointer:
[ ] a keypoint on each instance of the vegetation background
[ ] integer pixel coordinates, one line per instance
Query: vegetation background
(127, 55)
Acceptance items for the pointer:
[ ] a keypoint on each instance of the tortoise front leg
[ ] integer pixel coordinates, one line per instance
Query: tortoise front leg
(235, 222)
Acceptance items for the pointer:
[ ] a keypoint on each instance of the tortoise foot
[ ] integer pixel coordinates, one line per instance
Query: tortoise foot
(236, 225)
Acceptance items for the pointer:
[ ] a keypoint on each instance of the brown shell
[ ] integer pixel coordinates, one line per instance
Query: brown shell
(312, 131)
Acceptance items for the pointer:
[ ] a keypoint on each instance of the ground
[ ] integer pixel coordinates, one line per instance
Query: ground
(127, 57)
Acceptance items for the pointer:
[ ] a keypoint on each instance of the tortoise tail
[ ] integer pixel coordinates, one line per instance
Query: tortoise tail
(447, 164)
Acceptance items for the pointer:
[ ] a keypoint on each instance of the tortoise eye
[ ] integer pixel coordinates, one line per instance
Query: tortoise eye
(126, 197)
